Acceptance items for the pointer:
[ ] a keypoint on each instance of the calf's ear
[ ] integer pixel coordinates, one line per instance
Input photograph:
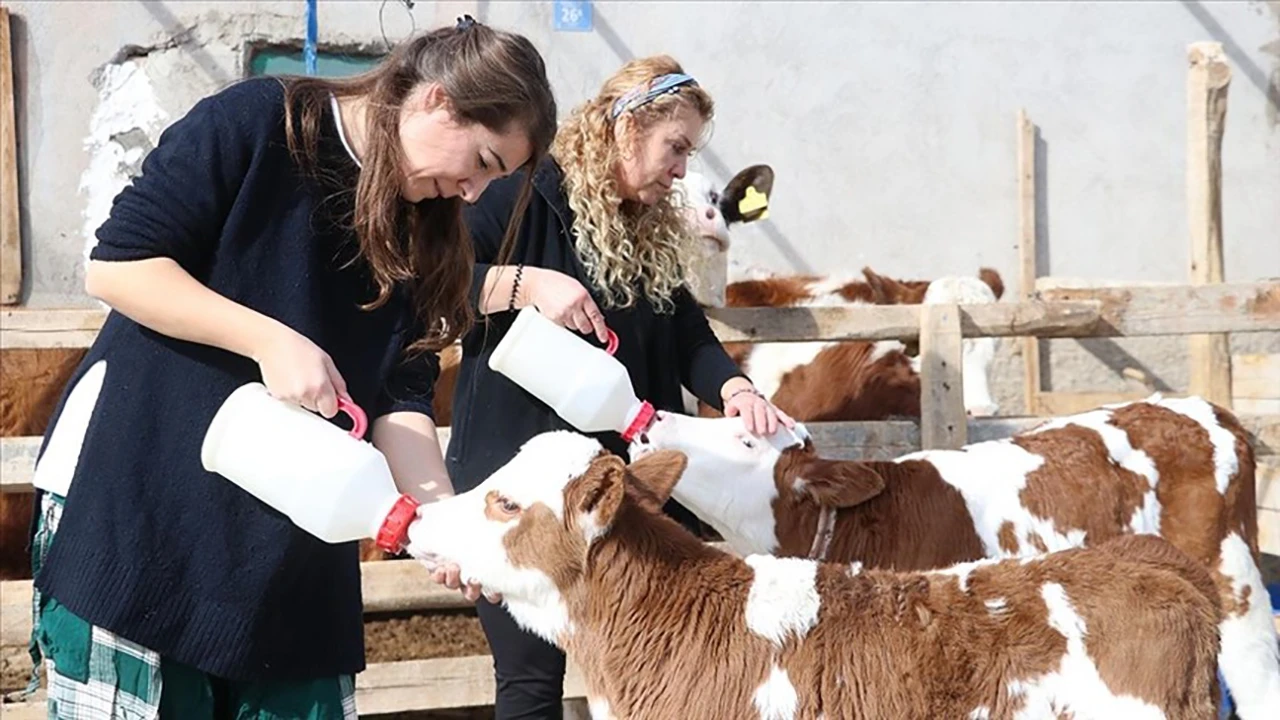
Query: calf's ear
(592, 499)
(757, 177)
(837, 483)
(655, 475)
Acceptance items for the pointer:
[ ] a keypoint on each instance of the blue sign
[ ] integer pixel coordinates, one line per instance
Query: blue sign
(573, 15)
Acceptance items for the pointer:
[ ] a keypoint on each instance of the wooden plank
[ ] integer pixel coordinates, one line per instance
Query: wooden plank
(1208, 79)
(1055, 282)
(879, 440)
(1133, 311)
(900, 322)
(50, 328)
(943, 423)
(404, 585)
(10, 214)
(437, 684)
(1255, 376)
(15, 613)
(1267, 480)
(1069, 403)
(1027, 255)
(387, 586)
(1174, 310)
(1269, 531)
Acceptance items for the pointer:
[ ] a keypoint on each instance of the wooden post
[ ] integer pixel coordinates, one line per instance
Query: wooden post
(1027, 253)
(10, 230)
(943, 422)
(1208, 78)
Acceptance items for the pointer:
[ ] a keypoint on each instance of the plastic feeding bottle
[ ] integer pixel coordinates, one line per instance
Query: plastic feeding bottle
(590, 389)
(327, 480)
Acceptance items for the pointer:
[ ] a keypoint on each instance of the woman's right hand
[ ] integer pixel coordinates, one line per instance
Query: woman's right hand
(297, 370)
(565, 301)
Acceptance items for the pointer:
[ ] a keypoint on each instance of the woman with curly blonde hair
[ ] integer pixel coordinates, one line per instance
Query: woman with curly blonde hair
(602, 243)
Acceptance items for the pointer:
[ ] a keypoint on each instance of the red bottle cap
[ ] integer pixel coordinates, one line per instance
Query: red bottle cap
(396, 525)
(642, 421)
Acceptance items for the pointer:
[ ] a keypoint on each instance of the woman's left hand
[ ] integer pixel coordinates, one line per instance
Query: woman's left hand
(758, 414)
(448, 576)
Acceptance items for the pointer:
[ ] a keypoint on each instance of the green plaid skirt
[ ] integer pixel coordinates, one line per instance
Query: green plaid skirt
(94, 674)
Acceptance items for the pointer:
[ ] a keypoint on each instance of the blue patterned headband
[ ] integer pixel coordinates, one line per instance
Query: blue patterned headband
(646, 93)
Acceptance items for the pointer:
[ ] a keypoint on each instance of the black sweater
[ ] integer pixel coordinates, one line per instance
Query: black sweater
(492, 416)
(153, 547)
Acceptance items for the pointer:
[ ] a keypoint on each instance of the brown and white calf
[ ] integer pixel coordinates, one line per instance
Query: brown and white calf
(665, 626)
(856, 380)
(1179, 468)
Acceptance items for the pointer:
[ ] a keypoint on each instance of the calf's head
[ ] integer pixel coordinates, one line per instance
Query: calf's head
(710, 211)
(749, 487)
(525, 532)
(977, 353)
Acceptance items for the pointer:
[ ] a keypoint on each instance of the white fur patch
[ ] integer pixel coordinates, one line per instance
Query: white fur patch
(458, 529)
(61, 455)
(961, 571)
(991, 475)
(855, 568)
(768, 363)
(1248, 656)
(883, 348)
(825, 292)
(599, 708)
(783, 600)
(776, 698)
(718, 448)
(1075, 689)
(545, 464)
(1225, 462)
(982, 712)
(996, 605)
(1145, 519)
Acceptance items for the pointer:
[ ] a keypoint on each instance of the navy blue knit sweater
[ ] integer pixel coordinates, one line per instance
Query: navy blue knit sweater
(153, 547)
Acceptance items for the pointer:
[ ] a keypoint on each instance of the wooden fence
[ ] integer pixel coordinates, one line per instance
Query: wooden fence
(1075, 312)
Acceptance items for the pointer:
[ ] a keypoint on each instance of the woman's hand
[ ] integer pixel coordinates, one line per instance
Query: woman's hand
(758, 414)
(565, 301)
(448, 576)
(296, 369)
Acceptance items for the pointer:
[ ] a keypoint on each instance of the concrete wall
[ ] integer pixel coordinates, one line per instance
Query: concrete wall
(890, 127)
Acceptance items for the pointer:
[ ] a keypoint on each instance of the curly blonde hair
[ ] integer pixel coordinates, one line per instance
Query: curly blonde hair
(626, 245)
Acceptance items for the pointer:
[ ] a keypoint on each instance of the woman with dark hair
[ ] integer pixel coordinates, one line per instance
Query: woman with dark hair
(301, 232)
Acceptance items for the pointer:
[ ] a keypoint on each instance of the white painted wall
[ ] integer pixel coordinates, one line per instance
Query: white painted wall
(890, 127)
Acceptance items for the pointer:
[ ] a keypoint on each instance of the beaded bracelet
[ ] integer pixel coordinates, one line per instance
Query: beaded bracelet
(515, 287)
(739, 391)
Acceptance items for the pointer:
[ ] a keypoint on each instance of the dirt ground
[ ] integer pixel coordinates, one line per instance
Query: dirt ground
(389, 638)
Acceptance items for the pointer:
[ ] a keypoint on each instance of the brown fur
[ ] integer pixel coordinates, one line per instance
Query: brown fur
(915, 522)
(660, 628)
(1077, 467)
(881, 390)
(31, 383)
(920, 522)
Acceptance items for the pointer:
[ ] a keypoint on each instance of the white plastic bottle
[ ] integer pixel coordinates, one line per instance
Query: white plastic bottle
(590, 389)
(326, 480)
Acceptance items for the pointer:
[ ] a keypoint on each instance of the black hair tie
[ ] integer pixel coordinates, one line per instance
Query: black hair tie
(466, 22)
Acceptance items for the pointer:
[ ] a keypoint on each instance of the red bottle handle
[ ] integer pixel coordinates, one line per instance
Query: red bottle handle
(612, 346)
(359, 421)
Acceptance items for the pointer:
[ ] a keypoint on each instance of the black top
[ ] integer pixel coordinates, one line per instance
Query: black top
(153, 547)
(492, 416)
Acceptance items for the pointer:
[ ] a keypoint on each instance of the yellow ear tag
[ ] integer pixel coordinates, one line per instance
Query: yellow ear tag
(753, 200)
